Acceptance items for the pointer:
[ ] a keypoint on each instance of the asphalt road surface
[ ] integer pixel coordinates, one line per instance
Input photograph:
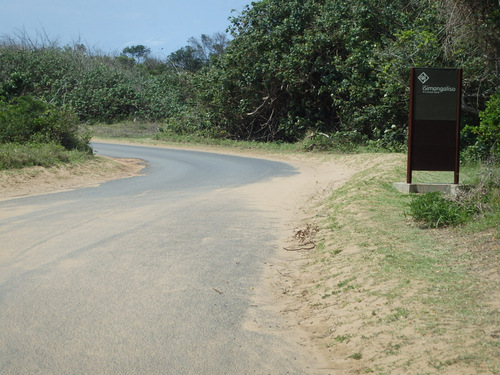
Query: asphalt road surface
(147, 275)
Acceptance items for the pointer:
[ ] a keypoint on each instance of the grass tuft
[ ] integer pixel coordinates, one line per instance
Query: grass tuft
(435, 210)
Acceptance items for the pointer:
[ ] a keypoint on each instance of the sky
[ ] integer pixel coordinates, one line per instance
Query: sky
(110, 25)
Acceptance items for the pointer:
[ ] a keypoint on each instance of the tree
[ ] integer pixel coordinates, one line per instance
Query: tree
(474, 20)
(343, 66)
(186, 59)
(199, 52)
(208, 46)
(303, 65)
(139, 52)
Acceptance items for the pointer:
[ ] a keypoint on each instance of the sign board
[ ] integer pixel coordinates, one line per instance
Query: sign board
(434, 132)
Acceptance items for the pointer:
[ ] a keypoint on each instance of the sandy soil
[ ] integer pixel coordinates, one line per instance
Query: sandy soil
(39, 180)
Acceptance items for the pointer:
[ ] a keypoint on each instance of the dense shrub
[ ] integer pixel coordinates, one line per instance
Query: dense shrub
(162, 96)
(482, 141)
(488, 132)
(479, 198)
(27, 120)
(100, 94)
(483, 190)
(99, 88)
(340, 66)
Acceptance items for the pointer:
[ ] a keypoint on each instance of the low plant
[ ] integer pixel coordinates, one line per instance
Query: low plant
(419, 287)
(435, 210)
(356, 356)
(484, 192)
(478, 198)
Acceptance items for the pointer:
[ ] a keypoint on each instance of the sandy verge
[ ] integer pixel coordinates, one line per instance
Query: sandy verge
(39, 180)
(293, 201)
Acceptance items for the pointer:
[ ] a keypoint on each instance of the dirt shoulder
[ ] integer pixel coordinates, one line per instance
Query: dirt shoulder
(39, 180)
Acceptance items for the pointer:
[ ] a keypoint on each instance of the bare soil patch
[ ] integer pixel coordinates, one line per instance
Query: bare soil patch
(39, 180)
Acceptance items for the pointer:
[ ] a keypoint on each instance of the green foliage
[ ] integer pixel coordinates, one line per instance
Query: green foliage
(199, 52)
(14, 156)
(98, 88)
(478, 199)
(434, 210)
(163, 96)
(138, 53)
(187, 59)
(392, 139)
(266, 86)
(483, 140)
(331, 66)
(484, 192)
(488, 132)
(101, 94)
(26, 119)
(340, 68)
(15, 85)
(335, 66)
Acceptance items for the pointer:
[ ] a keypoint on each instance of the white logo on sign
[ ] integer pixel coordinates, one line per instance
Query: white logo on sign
(423, 77)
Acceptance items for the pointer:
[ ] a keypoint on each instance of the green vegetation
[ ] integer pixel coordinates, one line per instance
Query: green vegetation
(308, 75)
(478, 201)
(313, 75)
(488, 132)
(424, 296)
(28, 120)
(342, 67)
(15, 156)
(33, 132)
(436, 211)
(331, 71)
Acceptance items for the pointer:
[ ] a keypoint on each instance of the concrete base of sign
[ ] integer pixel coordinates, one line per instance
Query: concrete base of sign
(449, 189)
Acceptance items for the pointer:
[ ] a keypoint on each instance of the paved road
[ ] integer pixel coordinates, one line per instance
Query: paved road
(146, 275)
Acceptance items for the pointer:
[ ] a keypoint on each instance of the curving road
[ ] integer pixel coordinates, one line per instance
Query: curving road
(145, 275)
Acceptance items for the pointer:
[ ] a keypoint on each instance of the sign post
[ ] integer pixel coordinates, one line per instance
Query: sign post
(434, 131)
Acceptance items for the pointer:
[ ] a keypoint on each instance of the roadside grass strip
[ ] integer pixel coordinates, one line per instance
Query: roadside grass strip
(400, 298)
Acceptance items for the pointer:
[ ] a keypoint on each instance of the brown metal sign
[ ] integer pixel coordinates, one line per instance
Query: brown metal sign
(434, 132)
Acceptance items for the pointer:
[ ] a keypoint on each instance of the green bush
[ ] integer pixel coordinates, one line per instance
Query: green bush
(489, 129)
(98, 88)
(484, 139)
(434, 210)
(26, 120)
(103, 94)
(484, 192)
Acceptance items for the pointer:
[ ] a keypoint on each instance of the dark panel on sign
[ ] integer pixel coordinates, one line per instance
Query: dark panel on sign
(433, 137)
(434, 145)
(435, 94)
